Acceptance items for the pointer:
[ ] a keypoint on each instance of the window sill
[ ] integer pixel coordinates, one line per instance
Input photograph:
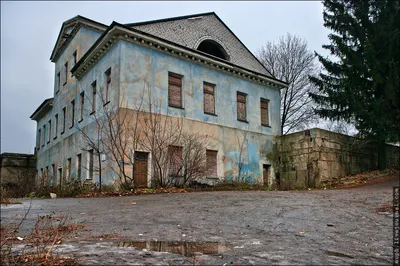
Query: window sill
(244, 121)
(106, 103)
(92, 112)
(264, 125)
(210, 114)
(177, 107)
(80, 120)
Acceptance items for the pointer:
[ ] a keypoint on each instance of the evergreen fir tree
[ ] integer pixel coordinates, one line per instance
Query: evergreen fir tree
(362, 85)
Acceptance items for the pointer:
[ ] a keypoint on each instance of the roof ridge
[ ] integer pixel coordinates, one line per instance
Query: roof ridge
(169, 19)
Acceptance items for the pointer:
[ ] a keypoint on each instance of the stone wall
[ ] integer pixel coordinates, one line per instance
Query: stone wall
(17, 172)
(311, 157)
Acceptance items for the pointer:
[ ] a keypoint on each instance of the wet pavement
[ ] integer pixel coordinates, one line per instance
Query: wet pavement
(342, 226)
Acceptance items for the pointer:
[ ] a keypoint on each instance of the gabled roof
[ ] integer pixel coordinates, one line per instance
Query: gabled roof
(190, 30)
(68, 30)
(42, 109)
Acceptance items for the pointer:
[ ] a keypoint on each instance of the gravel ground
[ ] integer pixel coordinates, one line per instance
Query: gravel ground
(342, 226)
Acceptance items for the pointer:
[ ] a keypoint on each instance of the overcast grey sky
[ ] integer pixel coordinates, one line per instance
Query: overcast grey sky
(29, 31)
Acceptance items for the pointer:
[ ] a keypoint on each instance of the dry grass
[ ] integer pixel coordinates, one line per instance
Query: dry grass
(40, 246)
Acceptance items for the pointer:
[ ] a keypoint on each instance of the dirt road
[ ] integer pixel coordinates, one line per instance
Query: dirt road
(343, 226)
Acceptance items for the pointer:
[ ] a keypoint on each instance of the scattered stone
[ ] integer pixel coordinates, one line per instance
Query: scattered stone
(53, 195)
(330, 225)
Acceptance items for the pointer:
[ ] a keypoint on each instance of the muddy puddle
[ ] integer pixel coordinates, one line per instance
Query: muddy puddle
(184, 248)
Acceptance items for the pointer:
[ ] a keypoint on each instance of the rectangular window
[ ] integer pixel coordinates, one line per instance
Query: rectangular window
(91, 166)
(47, 175)
(82, 105)
(241, 106)
(75, 55)
(60, 175)
(44, 135)
(66, 73)
(38, 139)
(264, 112)
(174, 90)
(79, 166)
(58, 82)
(107, 85)
(175, 160)
(69, 169)
(63, 124)
(53, 167)
(93, 97)
(49, 135)
(72, 113)
(211, 161)
(209, 98)
(56, 126)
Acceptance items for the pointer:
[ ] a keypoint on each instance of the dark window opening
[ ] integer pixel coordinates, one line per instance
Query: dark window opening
(213, 48)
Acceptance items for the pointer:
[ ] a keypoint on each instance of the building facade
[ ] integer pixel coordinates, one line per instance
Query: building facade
(193, 67)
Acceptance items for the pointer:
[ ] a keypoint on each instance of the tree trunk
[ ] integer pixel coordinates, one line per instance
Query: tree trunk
(99, 157)
(382, 163)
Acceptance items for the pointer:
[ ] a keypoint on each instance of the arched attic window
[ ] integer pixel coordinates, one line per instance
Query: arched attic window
(213, 48)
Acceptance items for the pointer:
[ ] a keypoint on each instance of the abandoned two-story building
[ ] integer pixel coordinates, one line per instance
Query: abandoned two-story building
(196, 69)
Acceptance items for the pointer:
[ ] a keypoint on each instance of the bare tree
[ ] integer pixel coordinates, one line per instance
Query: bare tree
(122, 130)
(290, 60)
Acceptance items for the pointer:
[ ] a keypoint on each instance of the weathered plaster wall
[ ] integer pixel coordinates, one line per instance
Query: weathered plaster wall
(310, 158)
(144, 68)
(17, 174)
(69, 144)
(135, 68)
(227, 141)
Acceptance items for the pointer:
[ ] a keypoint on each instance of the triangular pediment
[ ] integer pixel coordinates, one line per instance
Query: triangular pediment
(68, 30)
(196, 30)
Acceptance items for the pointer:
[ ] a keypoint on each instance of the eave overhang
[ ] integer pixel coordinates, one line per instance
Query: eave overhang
(76, 23)
(118, 31)
(43, 109)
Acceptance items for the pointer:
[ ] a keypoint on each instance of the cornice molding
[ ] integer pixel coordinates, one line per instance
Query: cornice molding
(75, 30)
(122, 33)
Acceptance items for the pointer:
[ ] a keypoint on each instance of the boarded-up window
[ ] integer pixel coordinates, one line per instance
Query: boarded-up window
(58, 81)
(241, 106)
(44, 135)
(209, 98)
(38, 139)
(174, 90)
(94, 91)
(91, 164)
(49, 135)
(82, 105)
(63, 124)
(264, 112)
(56, 126)
(107, 85)
(175, 160)
(72, 113)
(65, 73)
(211, 157)
(79, 166)
(75, 55)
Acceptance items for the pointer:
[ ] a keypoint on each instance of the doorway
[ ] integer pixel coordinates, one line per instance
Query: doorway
(140, 169)
(266, 168)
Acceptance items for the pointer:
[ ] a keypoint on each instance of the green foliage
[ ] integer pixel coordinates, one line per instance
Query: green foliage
(362, 85)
